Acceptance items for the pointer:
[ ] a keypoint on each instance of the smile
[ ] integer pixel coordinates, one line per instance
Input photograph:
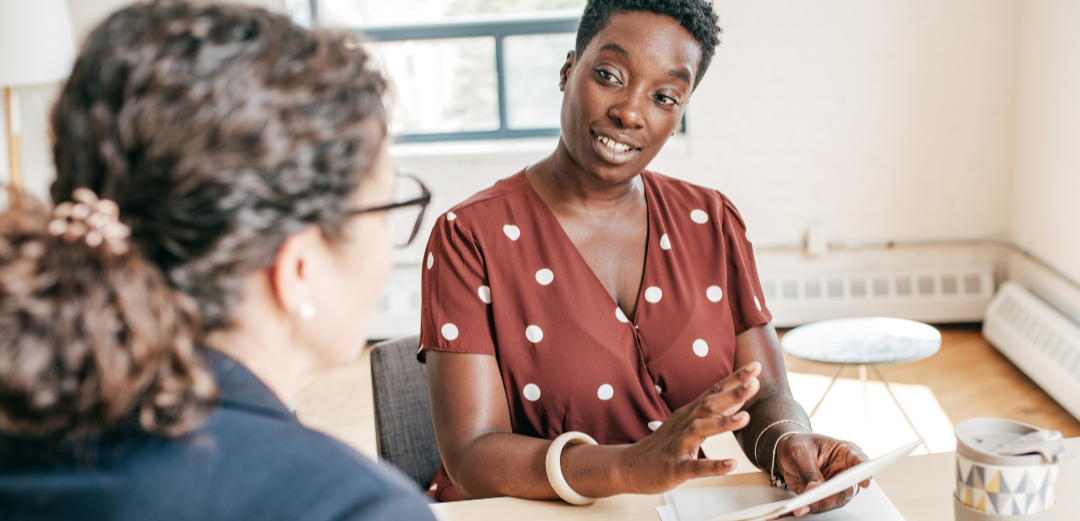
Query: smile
(613, 151)
(613, 145)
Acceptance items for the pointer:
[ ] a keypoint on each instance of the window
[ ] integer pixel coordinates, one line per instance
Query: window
(463, 69)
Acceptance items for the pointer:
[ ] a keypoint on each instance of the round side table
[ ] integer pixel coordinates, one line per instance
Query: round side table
(864, 342)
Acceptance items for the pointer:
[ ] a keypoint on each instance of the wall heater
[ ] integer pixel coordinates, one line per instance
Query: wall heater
(957, 293)
(1039, 340)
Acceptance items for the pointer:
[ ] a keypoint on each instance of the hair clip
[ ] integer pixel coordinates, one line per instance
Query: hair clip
(97, 221)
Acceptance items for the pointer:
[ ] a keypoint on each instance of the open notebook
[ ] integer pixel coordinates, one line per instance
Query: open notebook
(762, 503)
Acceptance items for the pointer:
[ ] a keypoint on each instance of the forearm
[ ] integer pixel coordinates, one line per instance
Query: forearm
(592, 471)
(759, 438)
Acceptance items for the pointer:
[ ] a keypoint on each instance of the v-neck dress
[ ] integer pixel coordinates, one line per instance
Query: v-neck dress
(502, 278)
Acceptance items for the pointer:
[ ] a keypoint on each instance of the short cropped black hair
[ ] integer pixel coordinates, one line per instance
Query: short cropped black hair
(696, 16)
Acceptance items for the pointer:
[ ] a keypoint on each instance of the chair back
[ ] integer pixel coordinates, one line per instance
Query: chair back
(403, 427)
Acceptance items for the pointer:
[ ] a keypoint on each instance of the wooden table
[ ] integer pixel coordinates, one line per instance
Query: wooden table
(921, 487)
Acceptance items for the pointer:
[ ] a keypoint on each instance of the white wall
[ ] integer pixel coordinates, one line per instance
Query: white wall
(886, 120)
(1046, 195)
(36, 102)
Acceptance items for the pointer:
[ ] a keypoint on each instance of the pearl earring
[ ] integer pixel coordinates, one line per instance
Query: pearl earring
(306, 311)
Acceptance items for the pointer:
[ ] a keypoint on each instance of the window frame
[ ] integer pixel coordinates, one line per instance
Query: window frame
(497, 27)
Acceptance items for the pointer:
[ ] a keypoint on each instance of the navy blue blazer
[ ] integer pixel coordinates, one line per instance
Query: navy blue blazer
(250, 460)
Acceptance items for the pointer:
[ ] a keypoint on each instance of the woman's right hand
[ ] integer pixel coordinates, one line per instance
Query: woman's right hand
(669, 456)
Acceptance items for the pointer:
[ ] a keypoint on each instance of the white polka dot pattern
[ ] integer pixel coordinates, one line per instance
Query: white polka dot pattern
(531, 392)
(699, 216)
(512, 232)
(544, 277)
(485, 294)
(655, 425)
(701, 348)
(620, 315)
(430, 260)
(450, 216)
(449, 331)
(658, 389)
(757, 303)
(665, 243)
(534, 334)
(714, 293)
(605, 392)
(653, 294)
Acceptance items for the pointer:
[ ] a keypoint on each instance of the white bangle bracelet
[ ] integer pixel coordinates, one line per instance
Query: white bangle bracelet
(554, 467)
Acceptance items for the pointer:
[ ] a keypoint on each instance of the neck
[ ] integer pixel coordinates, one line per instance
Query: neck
(563, 181)
(280, 367)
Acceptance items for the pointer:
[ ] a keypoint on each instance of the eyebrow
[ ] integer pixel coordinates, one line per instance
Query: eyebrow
(682, 75)
(615, 48)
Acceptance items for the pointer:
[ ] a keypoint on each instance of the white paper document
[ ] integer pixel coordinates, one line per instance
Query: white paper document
(704, 504)
(761, 503)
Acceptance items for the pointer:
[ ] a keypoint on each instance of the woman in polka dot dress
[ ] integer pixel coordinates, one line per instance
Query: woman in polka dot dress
(588, 295)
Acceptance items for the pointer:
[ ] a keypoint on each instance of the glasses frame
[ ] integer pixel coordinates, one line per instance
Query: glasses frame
(422, 202)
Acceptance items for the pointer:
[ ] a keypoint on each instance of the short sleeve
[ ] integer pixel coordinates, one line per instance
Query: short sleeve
(455, 313)
(744, 287)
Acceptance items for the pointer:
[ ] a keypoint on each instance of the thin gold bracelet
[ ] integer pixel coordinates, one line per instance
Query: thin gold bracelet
(757, 461)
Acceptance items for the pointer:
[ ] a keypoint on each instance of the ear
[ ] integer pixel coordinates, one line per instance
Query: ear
(291, 274)
(564, 74)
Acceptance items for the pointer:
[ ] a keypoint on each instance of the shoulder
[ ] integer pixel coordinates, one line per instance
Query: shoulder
(484, 215)
(289, 471)
(508, 191)
(678, 195)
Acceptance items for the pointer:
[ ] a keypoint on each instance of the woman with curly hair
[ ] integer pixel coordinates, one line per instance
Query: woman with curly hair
(589, 301)
(220, 238)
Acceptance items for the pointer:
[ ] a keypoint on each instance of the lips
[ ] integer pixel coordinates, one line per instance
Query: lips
(614, 149)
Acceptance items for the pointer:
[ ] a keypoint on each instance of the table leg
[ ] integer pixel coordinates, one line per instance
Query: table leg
(827, 389)
(901, 407)
(865, 399)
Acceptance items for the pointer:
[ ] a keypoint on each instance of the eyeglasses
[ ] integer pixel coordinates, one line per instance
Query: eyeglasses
(404, 216)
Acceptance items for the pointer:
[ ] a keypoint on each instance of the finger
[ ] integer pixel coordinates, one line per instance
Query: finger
(807, 470)
(703, 468)
(727, 402)
(702, 428)
(751, 370)
(832, 502)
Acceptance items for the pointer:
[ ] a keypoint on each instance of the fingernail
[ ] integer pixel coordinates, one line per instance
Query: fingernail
(729, 463)
(746, 385)
(740, 416)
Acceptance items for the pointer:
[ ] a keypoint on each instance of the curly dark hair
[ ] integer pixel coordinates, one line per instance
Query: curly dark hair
(91, 340)
(696, 16)
(218, 131)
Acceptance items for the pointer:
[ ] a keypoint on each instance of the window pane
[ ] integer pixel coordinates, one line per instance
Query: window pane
(359, 13)
(532, 78)
(441, 85)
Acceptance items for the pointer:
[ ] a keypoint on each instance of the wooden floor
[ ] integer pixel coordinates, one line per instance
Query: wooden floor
(968, 377)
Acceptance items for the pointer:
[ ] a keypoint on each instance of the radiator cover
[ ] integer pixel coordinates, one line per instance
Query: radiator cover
(1039, 340)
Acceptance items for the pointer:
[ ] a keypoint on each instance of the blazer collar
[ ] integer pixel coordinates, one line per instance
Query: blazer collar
(241, 389)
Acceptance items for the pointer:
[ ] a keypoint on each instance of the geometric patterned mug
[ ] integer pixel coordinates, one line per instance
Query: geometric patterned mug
(1006, 469)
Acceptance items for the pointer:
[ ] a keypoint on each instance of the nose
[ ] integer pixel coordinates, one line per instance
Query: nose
(628, 110)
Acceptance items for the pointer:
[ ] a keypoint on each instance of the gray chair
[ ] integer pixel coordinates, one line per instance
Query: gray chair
(403, 424)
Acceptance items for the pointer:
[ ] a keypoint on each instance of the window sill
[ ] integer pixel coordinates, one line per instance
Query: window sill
(492, 147)
(474, 147)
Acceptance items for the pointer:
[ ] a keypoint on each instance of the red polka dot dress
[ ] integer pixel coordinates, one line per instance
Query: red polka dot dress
(502, 278)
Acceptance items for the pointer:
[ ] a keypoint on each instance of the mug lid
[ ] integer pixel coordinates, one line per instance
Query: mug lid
(1005, 442)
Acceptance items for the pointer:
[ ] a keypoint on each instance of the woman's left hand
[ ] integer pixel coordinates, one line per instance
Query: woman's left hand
(807, 460)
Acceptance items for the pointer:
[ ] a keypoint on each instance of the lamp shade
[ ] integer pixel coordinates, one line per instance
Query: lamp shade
(37, 43)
